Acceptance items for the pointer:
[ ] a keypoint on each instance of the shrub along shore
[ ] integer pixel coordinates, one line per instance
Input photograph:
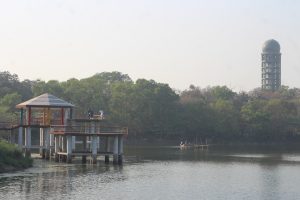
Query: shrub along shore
(11, 158)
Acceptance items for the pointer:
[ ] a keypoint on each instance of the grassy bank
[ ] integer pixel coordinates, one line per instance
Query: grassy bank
(11, 158)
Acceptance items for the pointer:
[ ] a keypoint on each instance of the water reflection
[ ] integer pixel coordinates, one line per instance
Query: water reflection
(163, 173)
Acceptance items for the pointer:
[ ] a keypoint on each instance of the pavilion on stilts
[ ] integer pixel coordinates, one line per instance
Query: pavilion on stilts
(63, 137)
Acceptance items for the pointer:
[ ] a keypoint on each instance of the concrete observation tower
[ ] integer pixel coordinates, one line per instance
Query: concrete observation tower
(271, 66)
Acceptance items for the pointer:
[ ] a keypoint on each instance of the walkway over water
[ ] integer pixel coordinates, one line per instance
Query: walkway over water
(62, 136)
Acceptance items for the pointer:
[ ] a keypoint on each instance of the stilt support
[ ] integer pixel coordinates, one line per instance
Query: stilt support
(28, 142)
(106, 159)
(69, 149)
(115, 151)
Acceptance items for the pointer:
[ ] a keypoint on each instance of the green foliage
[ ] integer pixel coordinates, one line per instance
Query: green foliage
(152, 109)
(11, 156)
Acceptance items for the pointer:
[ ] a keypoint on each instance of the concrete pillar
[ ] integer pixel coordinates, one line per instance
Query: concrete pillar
(107, 149)
(59, 142)
(56, 148)
(69, 148)
(47, 142)
(73, 142)
(120, 149)
(42, 152)
(98, 143)
(84, 148)
(94, 149)
(115, 150)
(20, 137)
(64, 144)
(28, 141)
(52, 142)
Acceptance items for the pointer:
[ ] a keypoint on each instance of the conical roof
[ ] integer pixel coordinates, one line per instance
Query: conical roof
(45, 100)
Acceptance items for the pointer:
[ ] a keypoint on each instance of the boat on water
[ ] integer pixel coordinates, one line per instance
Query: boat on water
(192, 146)
(186, 146)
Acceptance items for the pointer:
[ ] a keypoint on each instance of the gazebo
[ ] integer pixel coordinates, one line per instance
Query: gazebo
(41, 112)
(58, 131)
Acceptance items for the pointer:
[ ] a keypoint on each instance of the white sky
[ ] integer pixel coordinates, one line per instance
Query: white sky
(179, 42)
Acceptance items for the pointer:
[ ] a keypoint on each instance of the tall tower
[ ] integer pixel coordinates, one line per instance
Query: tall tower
(271, 66)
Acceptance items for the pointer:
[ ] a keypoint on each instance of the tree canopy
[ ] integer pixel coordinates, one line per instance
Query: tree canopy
(152, 109)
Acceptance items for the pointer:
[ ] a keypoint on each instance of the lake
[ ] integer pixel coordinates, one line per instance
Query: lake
(164, 173)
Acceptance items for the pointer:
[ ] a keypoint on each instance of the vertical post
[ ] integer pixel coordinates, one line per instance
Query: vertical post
(94, 149)
(20, 137)
(94, 143)
(84, 148)
(73, 142)
(47, 143)
(69, 148)
(20, 133)
(52, 142)
(107, 148)
(42, 150)
(120, 149)
(28, 141)
(64, 144)
(56, 147)
(115, 150)
(98, 143)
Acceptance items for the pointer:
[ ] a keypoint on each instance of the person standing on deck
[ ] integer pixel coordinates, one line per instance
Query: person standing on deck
(90, 114)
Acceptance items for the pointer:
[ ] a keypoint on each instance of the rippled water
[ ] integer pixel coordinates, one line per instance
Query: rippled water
(163, 173)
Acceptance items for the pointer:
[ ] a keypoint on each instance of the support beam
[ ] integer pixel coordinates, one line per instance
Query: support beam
(27, 141)
(73, 142)
(107, 149)
(120, 149)
(20, 137)
(64, 143)
(52, 142)
(115, 150)
(84, 148)
(47, 142)
(42, 150)
(69, 149)
(56, 148)
(94, 149)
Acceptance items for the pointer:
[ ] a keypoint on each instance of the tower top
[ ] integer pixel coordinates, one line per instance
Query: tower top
(271, 46)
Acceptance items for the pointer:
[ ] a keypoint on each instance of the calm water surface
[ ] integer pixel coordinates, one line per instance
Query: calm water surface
(164, 173)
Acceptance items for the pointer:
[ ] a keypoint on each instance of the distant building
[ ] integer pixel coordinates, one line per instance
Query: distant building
(271, 66)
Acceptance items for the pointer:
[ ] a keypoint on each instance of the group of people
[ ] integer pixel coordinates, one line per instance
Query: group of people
(92, 116)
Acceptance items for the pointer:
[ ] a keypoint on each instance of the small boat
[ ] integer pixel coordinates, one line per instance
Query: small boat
(194, 146)
(185, 145)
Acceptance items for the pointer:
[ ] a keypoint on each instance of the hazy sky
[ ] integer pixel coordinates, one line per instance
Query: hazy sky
(180, 42)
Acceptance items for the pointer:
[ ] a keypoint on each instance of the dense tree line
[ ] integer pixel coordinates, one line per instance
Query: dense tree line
(152, 109)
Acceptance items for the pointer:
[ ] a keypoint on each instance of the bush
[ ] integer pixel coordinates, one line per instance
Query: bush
(11, 157)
